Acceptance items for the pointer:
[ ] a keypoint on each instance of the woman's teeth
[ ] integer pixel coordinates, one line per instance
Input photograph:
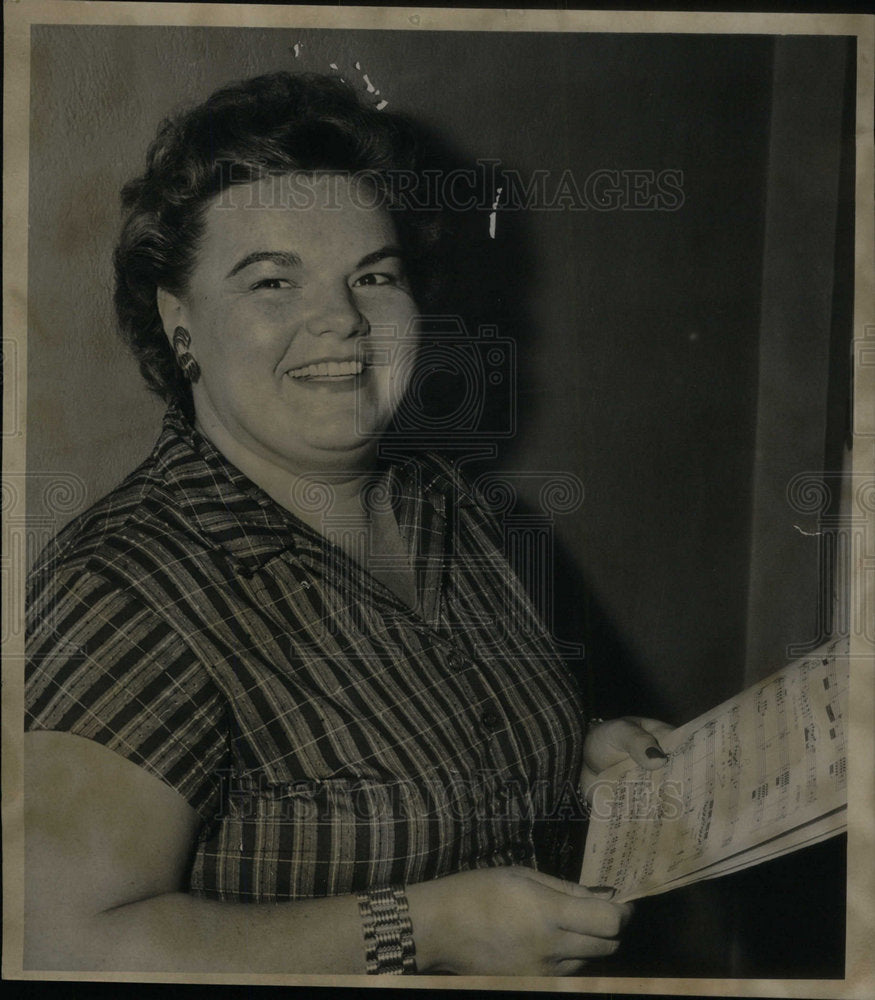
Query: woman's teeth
(328, 369)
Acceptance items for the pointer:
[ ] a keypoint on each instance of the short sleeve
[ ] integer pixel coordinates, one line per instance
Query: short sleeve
(103, 665)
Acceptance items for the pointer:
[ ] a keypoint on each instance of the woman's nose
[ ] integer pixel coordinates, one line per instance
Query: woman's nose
(335, 311)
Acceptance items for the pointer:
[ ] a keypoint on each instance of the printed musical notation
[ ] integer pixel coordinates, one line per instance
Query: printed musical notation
(763, 774)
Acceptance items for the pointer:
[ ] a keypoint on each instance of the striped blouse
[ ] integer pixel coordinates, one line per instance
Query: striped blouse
(330, 737)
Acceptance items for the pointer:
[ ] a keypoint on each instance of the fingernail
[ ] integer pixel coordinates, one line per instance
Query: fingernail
(602, 890)
(654, 752)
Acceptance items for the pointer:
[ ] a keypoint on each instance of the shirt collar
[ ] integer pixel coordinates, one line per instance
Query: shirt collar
(238, 517)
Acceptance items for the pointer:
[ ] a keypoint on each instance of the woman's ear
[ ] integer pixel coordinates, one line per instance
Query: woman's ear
(171, 310)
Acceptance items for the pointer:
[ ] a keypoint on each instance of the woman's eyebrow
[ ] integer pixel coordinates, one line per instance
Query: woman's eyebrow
(288, 259)
(378, 255)
(283, 257)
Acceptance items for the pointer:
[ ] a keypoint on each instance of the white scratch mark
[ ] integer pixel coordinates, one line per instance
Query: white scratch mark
(297, 48)
(368, 84)
(493, 213)
(808, 534)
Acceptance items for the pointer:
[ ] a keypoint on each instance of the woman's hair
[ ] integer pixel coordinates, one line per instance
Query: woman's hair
(273, 124)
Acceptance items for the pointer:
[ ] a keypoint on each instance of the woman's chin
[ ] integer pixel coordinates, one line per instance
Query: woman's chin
(342, 451)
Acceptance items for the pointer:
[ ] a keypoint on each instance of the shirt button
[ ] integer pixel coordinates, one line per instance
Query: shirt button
(456, 661)
(489, 720)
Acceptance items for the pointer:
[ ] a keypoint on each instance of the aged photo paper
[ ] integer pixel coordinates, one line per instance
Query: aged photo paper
(654, 357)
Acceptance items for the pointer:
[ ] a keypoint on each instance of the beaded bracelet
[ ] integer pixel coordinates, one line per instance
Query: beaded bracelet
(388, 932)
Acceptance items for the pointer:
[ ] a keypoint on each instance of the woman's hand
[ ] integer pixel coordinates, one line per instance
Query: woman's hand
(619, 739)
(512, 921)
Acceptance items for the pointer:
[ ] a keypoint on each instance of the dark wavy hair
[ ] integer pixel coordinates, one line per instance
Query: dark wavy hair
(273, 124)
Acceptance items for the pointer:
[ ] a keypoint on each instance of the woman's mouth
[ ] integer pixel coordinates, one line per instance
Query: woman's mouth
(327, 371)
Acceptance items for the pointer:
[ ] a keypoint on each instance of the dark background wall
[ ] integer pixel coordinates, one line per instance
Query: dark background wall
(683, 364)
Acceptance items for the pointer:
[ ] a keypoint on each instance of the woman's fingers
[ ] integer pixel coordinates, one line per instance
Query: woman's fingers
(642, 745)
(582, 910)
(570, 967)
(655, 727)
(611, 742)
(589, 930)
(580, 947)
(592, 917)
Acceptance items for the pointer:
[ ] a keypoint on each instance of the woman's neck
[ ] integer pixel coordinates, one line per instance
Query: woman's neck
(328, 488)
(321, 497)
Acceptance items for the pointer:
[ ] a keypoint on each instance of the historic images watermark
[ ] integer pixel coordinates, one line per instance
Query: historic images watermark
(484, 795)
(485, 186)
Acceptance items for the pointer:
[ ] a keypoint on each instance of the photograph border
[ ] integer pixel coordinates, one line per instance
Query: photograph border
(859, 981)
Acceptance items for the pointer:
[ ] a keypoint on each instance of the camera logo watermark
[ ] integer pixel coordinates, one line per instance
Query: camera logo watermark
(446, 383)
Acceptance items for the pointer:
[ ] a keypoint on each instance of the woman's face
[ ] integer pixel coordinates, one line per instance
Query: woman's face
(293, 281)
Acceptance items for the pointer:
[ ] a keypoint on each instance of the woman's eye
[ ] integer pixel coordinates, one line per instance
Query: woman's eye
(271, 283)
(376, 278)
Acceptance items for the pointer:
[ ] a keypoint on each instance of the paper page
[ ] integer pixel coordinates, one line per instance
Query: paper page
(807, 836)
(769, 761)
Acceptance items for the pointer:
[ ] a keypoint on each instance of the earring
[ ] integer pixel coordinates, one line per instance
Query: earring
(181, 343)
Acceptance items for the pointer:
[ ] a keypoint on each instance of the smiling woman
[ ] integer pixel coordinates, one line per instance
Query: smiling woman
(277, 667)
(277, 295)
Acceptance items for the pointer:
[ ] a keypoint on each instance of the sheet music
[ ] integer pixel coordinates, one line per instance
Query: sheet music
(760, 775)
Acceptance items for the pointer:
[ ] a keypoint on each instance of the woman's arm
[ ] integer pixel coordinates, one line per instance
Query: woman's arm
(108, 846)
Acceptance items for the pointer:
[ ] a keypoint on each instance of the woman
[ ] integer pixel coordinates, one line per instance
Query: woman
(280, 717)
